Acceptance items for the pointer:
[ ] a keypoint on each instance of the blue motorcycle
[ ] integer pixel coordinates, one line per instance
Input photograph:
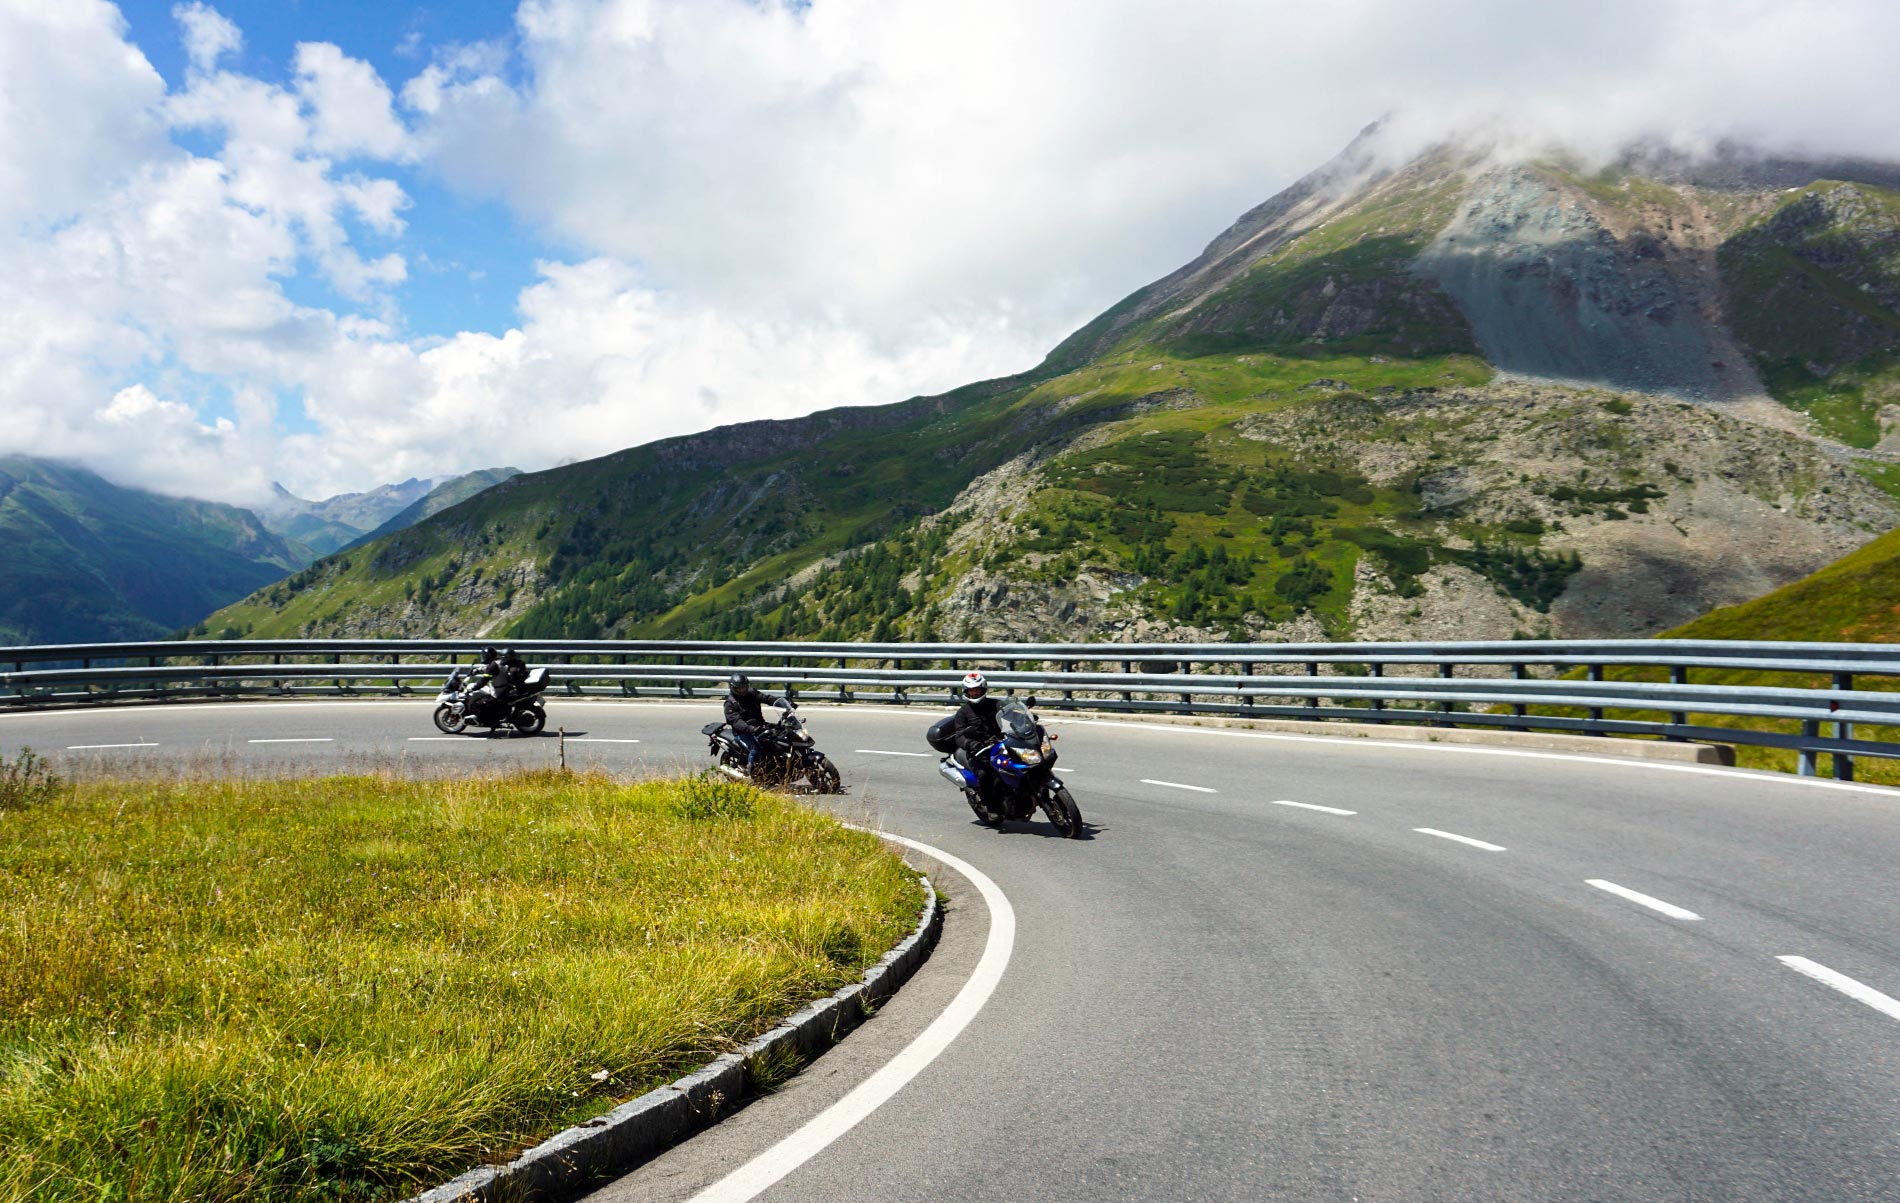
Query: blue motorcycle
(1022, 775)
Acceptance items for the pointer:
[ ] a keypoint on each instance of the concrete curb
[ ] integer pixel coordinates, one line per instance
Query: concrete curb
(1419, 732)
(584, 1156)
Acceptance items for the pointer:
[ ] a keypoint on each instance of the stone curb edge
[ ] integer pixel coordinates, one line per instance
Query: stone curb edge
(582, 1156)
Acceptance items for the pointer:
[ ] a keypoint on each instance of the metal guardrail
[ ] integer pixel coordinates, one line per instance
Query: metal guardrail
(1353, 681)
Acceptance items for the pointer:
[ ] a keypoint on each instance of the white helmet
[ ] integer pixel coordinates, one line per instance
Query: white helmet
(975, 685)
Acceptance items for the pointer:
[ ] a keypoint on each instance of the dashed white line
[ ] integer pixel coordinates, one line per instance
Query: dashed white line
(1655, 904)
(1462, 839)
(93, 747)
(1886, 1004)
(1065, 770)
(301, 740)
(598, 739)
(437, 739)
(1199, 789)
(882, 752)
(757, 1175)
(1329, 810)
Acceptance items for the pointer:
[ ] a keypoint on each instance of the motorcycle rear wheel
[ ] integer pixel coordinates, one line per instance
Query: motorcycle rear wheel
(1063, 812)
(448, 722)
(529, 722)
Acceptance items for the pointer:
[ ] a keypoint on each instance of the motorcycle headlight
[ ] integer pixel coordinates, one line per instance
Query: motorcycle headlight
(1029, 755)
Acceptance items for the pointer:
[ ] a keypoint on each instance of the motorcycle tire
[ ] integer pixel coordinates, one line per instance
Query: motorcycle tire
(1064, 813)
(529, 722)
(824, 777)
(448, 722)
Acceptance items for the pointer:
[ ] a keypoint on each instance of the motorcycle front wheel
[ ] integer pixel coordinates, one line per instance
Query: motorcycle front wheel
(824, 777)
(448, 722)
(1063, 812)
(529, 722)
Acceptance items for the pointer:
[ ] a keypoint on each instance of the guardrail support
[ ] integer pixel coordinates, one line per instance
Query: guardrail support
(1595, 673)
(1843, 763)
(1810, 729)
(1312, 670)
(1444, 674)
(1519, 673)
(1128, 666)
(1678, 675)
(1377, 670)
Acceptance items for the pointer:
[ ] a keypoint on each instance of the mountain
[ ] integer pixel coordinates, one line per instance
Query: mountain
(451, 491)
(1457, 395)
(1856, 599)
(351, 518)
(88, 560)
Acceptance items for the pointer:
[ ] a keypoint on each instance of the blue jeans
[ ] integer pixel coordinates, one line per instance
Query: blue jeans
(751, 745)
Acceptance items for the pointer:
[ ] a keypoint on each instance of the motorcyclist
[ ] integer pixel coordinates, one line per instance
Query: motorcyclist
(745, 715)
(511, 674)
(486, 683)
(975, 727)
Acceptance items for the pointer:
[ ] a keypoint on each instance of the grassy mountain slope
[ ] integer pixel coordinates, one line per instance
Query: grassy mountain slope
(452, 491)
(87, 560)
(1298, 434)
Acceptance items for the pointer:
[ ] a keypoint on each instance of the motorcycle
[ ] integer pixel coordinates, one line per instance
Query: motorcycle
(467, 701)
(1022, 770)
(788, 758)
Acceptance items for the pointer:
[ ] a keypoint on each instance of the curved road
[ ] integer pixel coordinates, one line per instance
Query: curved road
(1298, 968)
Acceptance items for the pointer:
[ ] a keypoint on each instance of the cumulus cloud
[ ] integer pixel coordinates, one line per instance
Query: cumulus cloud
(764, 207)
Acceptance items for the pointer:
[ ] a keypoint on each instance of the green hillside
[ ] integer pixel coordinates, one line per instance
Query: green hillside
(87, 560)
(1853, 600)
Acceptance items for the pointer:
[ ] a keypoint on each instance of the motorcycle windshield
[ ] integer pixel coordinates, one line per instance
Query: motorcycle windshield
(1016, 721)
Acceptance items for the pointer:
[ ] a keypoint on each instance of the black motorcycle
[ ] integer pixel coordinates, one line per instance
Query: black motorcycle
(1022, 772)
(788, 759)
(469, 698)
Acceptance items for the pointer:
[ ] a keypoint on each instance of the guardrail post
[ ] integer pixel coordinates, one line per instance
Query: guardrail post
(1678, 675)
(1444, 674)
(1068, 666)
(1378, 670)
(1810, 729)
(841, 668)
(1128, 668)
(1312, 670)
(1519, 673)
(1843, 763)
(1595, 673)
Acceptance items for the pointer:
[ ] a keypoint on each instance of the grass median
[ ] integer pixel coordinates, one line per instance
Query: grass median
(354, 987)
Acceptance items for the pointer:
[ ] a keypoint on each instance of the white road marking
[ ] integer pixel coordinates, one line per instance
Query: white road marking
(92, 747)
(598, 739)
(1463, 839)
(437, 739)
(1331, 810)
(1199, 789)
(324, 739)
(882, 752)
(1065, 770)
(1860, 992)
(1395, 745)
(755, 1176)
(1655, 904)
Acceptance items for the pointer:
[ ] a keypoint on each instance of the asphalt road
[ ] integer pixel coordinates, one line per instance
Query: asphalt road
(1237, 991)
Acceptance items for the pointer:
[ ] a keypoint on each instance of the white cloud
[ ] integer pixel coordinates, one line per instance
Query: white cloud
(209, 35)
(765, 207)
(351, 106)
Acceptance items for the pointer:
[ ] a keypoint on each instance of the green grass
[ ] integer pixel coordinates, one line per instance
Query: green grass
(353, 987)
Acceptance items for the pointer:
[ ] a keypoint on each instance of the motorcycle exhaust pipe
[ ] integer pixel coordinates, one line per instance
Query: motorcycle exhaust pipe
(953, 774)
(733, 773)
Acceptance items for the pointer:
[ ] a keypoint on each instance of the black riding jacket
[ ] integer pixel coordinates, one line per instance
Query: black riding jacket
(975, 725)
(746, 715)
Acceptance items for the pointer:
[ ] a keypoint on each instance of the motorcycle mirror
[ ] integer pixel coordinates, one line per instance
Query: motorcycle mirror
(1031, 701)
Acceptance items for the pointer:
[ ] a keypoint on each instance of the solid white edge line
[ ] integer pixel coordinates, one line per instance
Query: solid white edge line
(1330, 810)
(1655, 904)
(882, 752)
(439, 739)
(1462, 839)
(1396, 745)
(1199, 789)
(94, 747)
(597, 739)
(1858, 991)
(305, 739)
(768, 1167)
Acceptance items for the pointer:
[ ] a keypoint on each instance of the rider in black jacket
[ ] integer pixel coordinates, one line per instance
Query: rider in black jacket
(745, 715)
(975, 726)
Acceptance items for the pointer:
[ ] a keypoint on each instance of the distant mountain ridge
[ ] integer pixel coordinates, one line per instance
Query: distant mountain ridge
(1451, 397)
(86, 560)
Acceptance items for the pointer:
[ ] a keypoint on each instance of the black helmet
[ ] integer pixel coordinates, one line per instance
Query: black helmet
(489, 653)
(510, 655)
(741, 684)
